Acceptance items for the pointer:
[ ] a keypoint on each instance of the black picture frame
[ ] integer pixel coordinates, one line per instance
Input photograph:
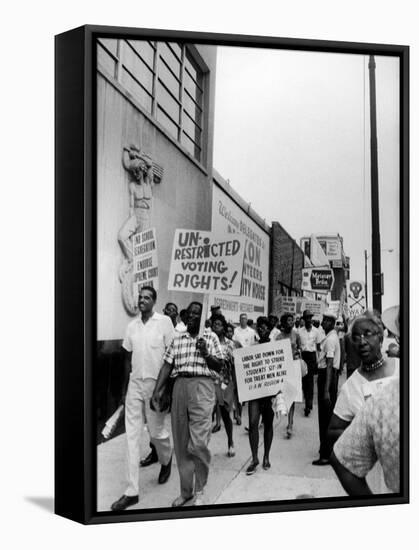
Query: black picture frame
(75, 272)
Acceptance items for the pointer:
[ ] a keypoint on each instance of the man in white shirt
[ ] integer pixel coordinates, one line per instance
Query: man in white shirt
(146, 339)
(273, 323)
(181, 326)
(310, 343)
(243, 334)
(329, 364)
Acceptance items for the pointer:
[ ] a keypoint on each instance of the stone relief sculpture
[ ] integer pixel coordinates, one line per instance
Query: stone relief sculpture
(143, 174)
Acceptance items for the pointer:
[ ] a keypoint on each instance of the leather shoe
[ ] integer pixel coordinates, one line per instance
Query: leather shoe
(149, 459)
(165, 472)
(251, 469)
(181, 501)
(321, 462)
(266, 464)
(124, 502)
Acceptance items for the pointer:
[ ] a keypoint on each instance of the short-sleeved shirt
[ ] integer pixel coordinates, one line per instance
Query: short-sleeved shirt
(181, 327)
(227, 349)
(294, 337)
(330, 349)
(245, 336)
(356, 390)
(187, 360)
(273, 335)
(148, 343)
(374, 435)
(309, 338)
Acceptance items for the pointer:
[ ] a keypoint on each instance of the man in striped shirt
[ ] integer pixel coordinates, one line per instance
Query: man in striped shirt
(193, 362)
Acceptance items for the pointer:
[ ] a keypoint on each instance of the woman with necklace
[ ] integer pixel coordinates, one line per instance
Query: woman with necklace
(375, 371)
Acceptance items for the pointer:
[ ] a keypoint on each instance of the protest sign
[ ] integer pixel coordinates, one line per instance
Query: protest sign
(233, 306)
(355, 298)
(229, 218)
(203, 262)
(335, 307)
(297, 304)
(146, 271)
(262, 370)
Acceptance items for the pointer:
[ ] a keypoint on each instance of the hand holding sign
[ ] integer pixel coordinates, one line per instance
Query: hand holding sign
(201, 346)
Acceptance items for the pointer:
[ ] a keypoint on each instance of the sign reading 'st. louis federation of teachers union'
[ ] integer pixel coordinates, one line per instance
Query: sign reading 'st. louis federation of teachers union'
(208, 263)
(262, 370)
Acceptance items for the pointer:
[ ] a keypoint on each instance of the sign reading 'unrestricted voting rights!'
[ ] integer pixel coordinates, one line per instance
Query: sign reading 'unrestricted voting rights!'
(205, 262)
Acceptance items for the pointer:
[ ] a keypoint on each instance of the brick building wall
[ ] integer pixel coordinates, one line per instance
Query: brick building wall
(287, 261)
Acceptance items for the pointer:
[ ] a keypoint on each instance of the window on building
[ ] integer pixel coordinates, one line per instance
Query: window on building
(166, 81)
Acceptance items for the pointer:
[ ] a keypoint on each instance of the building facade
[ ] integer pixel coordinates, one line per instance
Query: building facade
(332, 246)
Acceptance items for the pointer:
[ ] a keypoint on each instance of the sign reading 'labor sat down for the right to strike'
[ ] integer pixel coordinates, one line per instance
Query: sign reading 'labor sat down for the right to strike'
(265, 369)
(207, 263)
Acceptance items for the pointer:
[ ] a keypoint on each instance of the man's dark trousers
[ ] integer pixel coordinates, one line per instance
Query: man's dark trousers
(310, 357)
(325, 409)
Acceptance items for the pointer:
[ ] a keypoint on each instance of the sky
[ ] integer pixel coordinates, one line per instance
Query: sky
(292, 137)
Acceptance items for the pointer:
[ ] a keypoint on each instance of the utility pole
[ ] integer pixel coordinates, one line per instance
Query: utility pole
(375, 215)
(366, 277)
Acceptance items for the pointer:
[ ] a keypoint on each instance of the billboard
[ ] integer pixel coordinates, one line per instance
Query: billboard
(228, 217)
(317, 279)
(331, 245)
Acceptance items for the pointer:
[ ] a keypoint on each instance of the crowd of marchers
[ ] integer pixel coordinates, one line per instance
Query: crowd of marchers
(175, 372)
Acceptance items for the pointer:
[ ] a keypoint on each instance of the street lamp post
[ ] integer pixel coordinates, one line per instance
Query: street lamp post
(375, 215)
(366, 278)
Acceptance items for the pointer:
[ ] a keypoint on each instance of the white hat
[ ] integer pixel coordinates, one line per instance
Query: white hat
(390, 319)
(330, 314)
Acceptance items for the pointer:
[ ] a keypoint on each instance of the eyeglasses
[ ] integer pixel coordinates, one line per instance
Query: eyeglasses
(367, 335)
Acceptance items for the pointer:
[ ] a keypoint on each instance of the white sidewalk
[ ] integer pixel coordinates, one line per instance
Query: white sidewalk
(291, 475)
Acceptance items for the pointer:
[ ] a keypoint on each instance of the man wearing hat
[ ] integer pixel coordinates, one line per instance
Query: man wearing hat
(329, 364)
(310, 344)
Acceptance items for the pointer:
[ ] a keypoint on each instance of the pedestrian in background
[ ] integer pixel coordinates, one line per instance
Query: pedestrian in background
(243, 334)
(224, 390)
(237, 405)
(310, 344)
(329, 365)
(288, 332)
